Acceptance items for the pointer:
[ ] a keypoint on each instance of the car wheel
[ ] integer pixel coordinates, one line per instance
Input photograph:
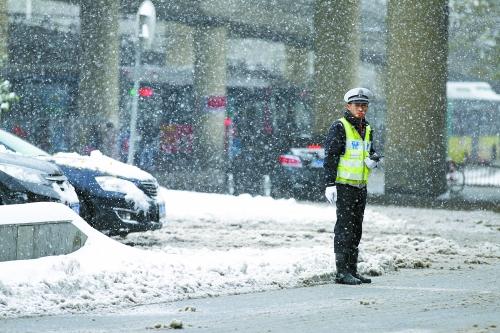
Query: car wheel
(4, 195)
(122, 234)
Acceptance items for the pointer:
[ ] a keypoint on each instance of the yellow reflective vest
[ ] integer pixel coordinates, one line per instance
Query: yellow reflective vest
(352, 169)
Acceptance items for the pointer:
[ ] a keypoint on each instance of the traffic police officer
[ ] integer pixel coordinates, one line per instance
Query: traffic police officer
(349, 157)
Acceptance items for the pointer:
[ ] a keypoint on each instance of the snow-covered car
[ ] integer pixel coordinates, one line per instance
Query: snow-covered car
(115, 198)
(299, 173)
(24, 179)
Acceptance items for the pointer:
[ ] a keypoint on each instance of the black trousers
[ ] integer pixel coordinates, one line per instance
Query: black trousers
(351, 203)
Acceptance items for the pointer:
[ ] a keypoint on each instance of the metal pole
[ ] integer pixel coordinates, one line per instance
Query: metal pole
(29, 9)
(144, 32)
(135, 102)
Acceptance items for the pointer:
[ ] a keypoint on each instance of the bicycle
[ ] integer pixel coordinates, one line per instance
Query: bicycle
(455, 177)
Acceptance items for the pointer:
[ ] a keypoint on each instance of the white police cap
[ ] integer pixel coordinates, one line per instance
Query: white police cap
(358, 95)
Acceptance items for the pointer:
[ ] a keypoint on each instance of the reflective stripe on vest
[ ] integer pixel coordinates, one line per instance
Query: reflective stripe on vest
(352, 169)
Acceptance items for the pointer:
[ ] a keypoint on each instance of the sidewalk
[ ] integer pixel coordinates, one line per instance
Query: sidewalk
(430, 300)
(472, 197)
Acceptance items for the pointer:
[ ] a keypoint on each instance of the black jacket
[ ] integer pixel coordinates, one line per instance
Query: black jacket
(335, 144)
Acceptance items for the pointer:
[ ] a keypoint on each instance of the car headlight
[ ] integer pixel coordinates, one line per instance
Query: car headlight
(114, 184)
(25, 174)
(132, 193)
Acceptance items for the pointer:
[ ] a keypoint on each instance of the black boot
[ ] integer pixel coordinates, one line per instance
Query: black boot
(353, 268)
(343, 276)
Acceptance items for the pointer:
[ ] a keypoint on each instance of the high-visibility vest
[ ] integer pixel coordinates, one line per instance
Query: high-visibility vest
(352, 169)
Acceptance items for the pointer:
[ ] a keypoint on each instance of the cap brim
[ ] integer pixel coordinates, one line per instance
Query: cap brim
(361, 101)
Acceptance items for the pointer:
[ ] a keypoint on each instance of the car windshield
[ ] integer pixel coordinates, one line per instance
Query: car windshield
(18, 145)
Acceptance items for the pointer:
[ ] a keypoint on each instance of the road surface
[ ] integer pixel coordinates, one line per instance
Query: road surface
(410, 300)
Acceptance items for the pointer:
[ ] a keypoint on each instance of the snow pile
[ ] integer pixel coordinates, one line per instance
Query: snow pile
(218, 244)
(242, 209)
(105, 273)
(102, 163)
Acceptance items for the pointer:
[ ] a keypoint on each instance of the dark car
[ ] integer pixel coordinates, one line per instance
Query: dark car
(115, 198)
(299, 173)
(24, 179)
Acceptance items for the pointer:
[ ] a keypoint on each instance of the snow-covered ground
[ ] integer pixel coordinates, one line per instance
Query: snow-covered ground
(219, 244)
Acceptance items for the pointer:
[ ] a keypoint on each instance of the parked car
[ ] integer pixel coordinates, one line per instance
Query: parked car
(25, 179)
(299, 173)
(115, 198)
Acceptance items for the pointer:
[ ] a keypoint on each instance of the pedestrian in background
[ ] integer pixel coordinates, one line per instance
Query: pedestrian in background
(108, 140)
(349, 157)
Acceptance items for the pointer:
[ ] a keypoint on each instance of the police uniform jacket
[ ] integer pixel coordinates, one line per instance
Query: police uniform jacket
(335, 144)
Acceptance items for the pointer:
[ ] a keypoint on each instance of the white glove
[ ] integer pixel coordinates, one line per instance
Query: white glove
(331, 194)
(371, 164)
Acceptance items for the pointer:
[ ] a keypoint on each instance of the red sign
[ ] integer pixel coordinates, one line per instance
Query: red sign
(215, 102)
(177, 138)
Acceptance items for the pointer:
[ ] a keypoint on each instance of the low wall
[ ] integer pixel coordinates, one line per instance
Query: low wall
(36, 236)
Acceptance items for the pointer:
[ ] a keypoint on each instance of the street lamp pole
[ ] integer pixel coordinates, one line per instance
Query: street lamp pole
(144, 32)
(135, 103)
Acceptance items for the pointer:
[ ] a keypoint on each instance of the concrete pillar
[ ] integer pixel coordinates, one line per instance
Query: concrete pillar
(179, 44)
(297, 65)
(416, 97)
(99, 74)
(337, 49)
(4, 25)
(210, 95)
